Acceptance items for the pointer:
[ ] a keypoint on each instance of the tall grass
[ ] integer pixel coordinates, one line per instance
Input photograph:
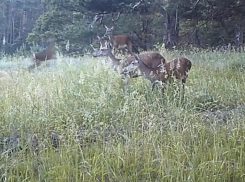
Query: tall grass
(75, 121)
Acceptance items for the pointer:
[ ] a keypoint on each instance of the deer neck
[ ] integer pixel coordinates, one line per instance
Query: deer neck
(151, 73)
(144, 69)
(111, 37)
(114, 60)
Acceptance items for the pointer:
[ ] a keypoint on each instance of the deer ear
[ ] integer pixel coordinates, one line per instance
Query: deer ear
(105, 27)
(98, 37)
(112, 28)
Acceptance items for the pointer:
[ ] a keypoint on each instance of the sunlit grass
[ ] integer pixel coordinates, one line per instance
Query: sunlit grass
(76, 121)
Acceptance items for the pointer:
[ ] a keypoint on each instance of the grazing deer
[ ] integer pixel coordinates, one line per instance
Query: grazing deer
(119, 42)
(47, 54)
(151, 59)
(177, 68)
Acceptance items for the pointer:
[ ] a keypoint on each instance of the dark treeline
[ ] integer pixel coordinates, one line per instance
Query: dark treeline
(17, 18)
(75, 24)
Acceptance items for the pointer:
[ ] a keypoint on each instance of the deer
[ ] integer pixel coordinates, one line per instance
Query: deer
(176, 69)
(151, 59)
(119, 42)
(40, 57)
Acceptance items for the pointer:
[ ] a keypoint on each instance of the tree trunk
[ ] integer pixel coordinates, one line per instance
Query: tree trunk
(171, 37)
(239, 38)
(239, 33)
(144, 33)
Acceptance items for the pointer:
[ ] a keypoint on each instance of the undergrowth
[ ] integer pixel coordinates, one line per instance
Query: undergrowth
(76, 121)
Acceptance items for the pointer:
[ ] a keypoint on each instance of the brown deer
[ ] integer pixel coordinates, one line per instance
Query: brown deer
(40, 57)
(175, 69)
(119, 42)
(152, 59)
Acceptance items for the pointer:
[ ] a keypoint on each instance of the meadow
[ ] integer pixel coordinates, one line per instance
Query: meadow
(75, 121)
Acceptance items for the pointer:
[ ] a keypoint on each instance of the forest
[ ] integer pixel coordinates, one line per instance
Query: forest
(73, 107)
(174, 23)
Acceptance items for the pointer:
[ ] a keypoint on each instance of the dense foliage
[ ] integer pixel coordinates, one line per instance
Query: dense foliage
(201, 23)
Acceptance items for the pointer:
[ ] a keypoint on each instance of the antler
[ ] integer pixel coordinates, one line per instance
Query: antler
(97, 18)
(114, 20)
(137, 4)
(93, 47)
(118, 15)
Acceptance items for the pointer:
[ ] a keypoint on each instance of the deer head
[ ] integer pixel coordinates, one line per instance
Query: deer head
(104, 42)
(109, 31)
(104, 47)
(133, 66)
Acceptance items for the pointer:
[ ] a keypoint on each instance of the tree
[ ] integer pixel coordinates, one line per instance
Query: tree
(79, 15)
(202, 23)
(17, 19)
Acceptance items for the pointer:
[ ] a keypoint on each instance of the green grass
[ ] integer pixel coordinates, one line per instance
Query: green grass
(77, 122)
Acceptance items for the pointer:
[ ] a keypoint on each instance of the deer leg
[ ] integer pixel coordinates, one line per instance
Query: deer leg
(153, 86)
(120, 52)
(130, 49)
(34, 65)
(126, 80)
(38, 63)
(177, 87)
(157, 82)
(183, 83)
(115, 51)
(124, 51)
(183, 86)
(163, 90)
(31, 67)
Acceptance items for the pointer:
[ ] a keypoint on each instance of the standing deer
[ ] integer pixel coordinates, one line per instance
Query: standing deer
(47, 54)
(119, 42)
(152, 59)
(175, 69)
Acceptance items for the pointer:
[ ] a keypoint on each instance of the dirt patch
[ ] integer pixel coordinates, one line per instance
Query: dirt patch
(226, 114)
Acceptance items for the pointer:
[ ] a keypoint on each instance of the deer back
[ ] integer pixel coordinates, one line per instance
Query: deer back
(150, 59)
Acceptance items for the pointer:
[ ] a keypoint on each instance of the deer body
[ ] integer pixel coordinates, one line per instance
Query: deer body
(175, 69)
(42, 56)
(115, 62)
(151, 59)
(119, 42)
